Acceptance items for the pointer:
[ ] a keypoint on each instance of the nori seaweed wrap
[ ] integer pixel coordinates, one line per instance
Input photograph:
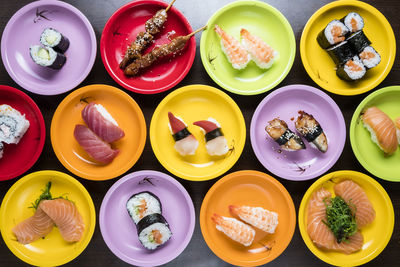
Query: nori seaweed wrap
(341, 53)
(358, 41)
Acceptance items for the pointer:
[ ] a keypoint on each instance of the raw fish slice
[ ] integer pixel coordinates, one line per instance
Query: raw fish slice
(102, 123)
(234, 229)
(382, 129)
(397, 122)
(234, 51)
(93, 145)
(216, 143)
(263, 219)
(262, 54)
(357, 200)
(33, 228)
(312, 131)
(185, 142)
(66, 217)
(288, 140)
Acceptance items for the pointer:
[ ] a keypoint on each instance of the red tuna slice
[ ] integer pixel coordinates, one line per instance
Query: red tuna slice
(93, 145)
(101, 126)
(176, 124)
(208, 126)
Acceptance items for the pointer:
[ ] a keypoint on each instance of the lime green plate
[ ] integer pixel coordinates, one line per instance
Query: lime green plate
(261, 20)
(368, 153)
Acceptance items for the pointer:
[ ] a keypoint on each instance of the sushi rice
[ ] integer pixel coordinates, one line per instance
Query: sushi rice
(147, 238)
(353, 21)
(135, 204)
(13, 125)
(369, 57)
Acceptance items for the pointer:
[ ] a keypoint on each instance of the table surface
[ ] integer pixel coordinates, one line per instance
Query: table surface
(197, 252)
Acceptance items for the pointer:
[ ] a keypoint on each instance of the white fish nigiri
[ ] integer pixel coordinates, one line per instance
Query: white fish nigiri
(185, 142)
(216, 143)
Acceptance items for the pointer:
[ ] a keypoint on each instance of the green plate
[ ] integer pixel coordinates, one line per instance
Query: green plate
(368, 153)
(262, 20)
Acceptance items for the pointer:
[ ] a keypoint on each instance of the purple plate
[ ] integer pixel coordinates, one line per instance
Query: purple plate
(119, 231)
(285, 104)
(24, 29)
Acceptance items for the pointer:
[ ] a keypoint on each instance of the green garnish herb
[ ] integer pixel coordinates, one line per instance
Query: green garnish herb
(340, 218)
(46, 195)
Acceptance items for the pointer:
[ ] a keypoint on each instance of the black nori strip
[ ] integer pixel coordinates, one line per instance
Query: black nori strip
(181, 134)
(311, 136)
(341, 53)
(358, 41)
(58, 62)
(156, 197)
(287, 135)
(213, 134)
(149, 220)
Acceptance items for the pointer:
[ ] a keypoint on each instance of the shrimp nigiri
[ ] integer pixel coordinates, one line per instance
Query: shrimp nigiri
(263, 219)
(234, 51)
(216, 143)
(234, 229)
(185, 142)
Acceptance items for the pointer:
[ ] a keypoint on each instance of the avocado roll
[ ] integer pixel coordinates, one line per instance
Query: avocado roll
(47, 57)
(333, 33)
(142, 204)
(153, 231)
(341, 53)
(369, 57)
(353, 21)
(352, 70)
(52, 38)
(358, 41)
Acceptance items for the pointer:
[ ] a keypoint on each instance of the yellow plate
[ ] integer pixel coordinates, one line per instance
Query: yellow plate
(320, 66)
(52, 250)
(193, 103)
(376, 235)
(124, 110)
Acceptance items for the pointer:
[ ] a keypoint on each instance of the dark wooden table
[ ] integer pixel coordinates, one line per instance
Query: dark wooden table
(197, 12)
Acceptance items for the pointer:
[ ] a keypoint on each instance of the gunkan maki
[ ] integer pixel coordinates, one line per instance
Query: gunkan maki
(52, 38)
(47, 57)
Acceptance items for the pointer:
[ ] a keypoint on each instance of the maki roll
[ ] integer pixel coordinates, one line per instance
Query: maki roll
(352, 70)
(353, 21)
(286, 139)
(369, 57)
(1, 149)
(341, 53)
(153, 231)
(312, 131)
(52, 38)
(216, 143)
(185, 142)
(13, 125)
(333, 33)
(47, 57)
(358, 41)
(143, 204)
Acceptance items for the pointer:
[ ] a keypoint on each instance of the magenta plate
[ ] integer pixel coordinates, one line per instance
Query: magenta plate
(119, 231)
(24, 29)
(285, 103)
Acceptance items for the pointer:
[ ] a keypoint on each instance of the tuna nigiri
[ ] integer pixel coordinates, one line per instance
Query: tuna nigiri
(102, 123)
(234, 229)
(261, 53)
(258, 217)
(93, 145)
(286, 139)
(66, 217)
(216, 143)
(312, 131)
(382, 129)
(185, 142)
(234, 51)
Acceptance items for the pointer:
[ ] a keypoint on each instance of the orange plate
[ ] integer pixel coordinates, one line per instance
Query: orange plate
(124, 110)
(251, 188)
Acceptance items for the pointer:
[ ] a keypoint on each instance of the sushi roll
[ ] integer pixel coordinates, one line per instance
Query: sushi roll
(358, 41)
(258, 217)
(13, 125)
(261, 53)
(382, 129)
(352, 70)
(234, 229)
(286, 139)
(312, 131)
(237, 55)
(47, 57)
(341, 53)
(153, 231)
(1, 149)
(216, 143)
(185, 142)
(397, 123)
(333, 33)
(369, 57)
(52, 38)
(142, 204)
(353, 21)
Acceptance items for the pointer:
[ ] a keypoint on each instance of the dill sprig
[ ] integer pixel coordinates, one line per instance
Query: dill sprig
(340, 218)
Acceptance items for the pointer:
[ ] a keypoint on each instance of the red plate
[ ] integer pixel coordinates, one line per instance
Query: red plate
(121, 29)
(17, 159)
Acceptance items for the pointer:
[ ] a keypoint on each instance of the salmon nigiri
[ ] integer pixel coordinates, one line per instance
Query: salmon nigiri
(382, 129)
(66, 217)
(234, 229)
(185, 142)
(234, 51)
(397, 122)
(216, 143)
(263, 219)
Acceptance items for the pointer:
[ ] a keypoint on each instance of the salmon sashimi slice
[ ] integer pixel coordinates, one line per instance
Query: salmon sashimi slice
(320, 233)
(237, 55)
(261, 53)
(234, 229)
(102, 123)
(33, 228)
(258, 217)
(357, 200)
(382, 129)
(66, 217)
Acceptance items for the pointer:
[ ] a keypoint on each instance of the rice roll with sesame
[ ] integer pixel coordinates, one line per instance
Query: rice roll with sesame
(358, 41)
(13, 125)
(333, 33)
(353, 21)
(352, 70)
(341, 53)
(47, 57)
(143, 204)
(369, 57)
(52, 38)
(153, 231)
